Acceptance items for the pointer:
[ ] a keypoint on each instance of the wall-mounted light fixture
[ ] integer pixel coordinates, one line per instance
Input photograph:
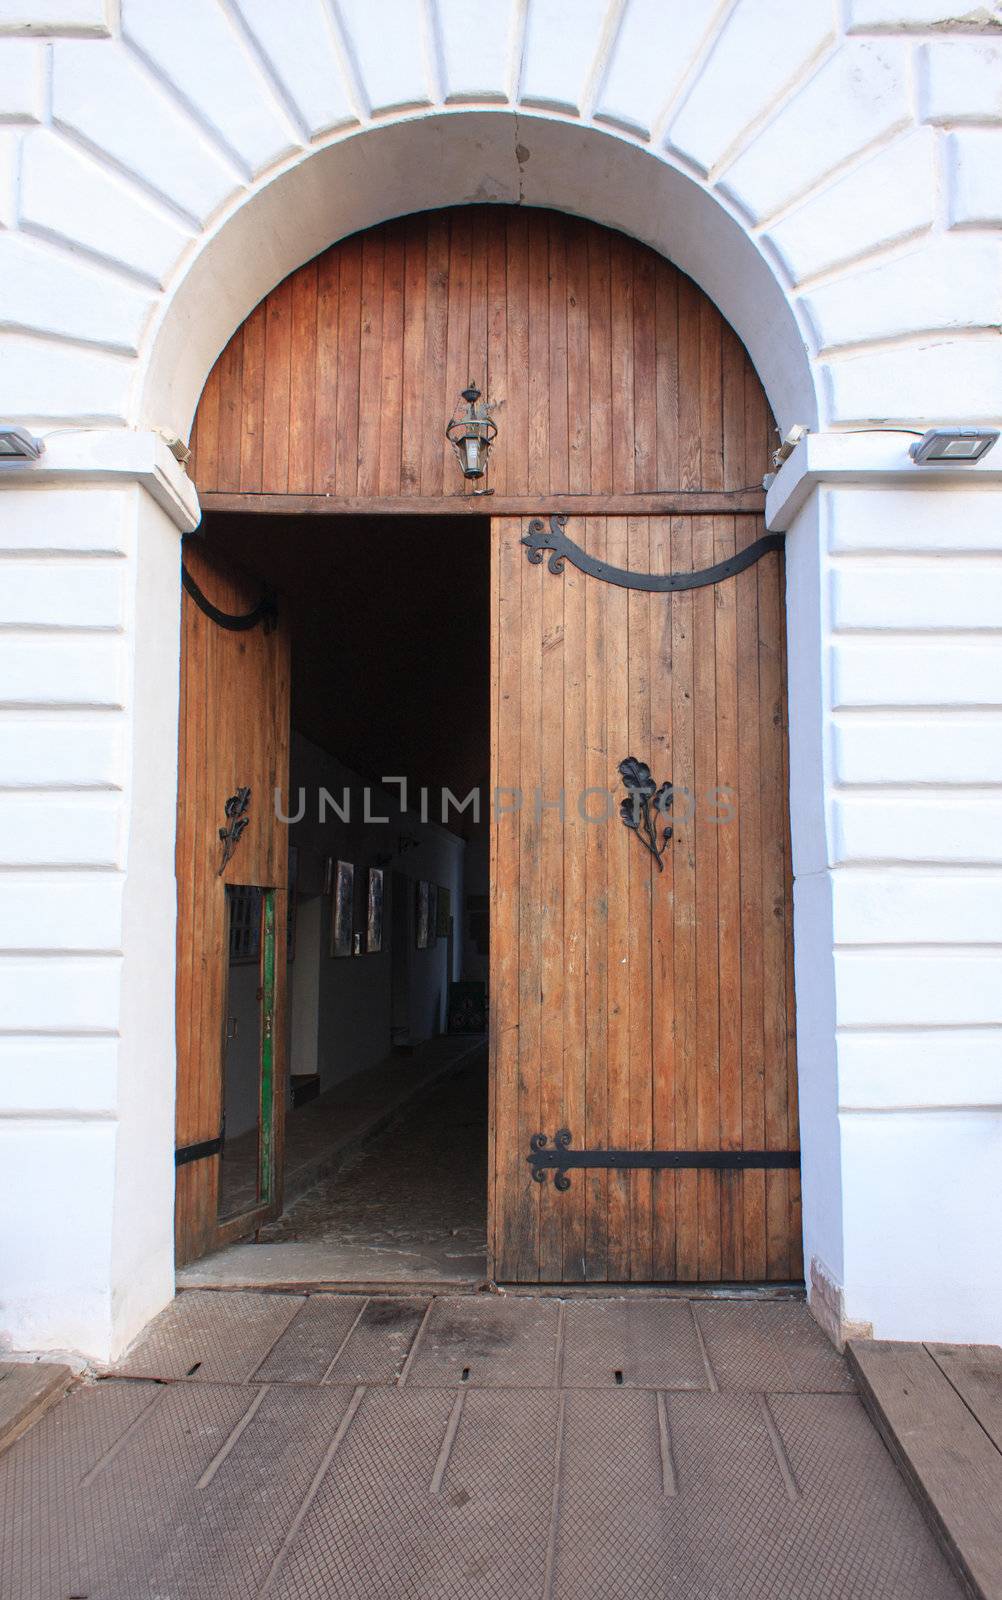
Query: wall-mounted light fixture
(472, 434)
(17, 444)
(953, 444)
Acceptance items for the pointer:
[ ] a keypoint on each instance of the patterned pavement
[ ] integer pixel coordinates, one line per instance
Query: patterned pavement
(482, 1447)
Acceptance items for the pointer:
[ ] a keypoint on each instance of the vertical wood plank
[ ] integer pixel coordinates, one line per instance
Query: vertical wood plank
(578, 359)
(457, 364)
(552, 833)
(530, 908)
(538, 368)
(231, 411)
(663, 1223)
(371, 422)
(517, 314)
(684, 932)
(412, 381)
(555, 398)
(600, 810)
(349, 329)
(645, 376)
(619, 860)
(497, 343)
(575, 908)
(304, 385)
(510, 1171)
(704, 694)
(621, 253)
(277, 384)
(600, 364)
(640, 890)
(438, 403)
(252, 402)
(391, 412)
(336, 392)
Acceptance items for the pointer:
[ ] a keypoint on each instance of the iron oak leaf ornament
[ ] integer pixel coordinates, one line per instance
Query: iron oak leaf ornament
(646, 800)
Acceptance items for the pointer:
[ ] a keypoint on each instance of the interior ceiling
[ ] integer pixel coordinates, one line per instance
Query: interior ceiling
(389, 619)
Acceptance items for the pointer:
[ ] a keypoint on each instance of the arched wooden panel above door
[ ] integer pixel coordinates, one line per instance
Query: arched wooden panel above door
(609, 371)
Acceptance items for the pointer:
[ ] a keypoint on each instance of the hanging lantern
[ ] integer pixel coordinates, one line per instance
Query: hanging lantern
(472, 435)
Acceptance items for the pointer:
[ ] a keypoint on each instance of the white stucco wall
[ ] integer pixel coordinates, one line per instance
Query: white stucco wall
(831, 176)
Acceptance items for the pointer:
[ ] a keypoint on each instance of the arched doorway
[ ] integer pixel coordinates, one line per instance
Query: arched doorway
(641, 998)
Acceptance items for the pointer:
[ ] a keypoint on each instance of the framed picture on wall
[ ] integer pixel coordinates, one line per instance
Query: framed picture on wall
(342, 906)
(432, 913)
(374, 926)
(444, 914)
(421, 921)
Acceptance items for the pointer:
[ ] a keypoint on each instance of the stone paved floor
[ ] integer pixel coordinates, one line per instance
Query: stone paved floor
(410, 1205)
(458, 1447)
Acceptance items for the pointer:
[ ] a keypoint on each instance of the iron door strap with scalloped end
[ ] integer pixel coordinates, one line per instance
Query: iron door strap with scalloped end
(541, 538)
(559, 1157)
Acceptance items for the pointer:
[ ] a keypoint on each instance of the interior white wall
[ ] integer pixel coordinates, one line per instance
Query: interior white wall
(353, 1021)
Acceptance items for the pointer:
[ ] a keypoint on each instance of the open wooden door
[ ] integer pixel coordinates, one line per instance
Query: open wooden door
(641, 1001)
(232, 917)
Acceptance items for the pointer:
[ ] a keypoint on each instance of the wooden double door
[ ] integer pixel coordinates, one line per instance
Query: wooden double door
(233, 750)
(641, 998)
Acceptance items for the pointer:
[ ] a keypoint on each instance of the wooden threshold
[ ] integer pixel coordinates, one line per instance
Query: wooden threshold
(740, 503)
(938, 1410)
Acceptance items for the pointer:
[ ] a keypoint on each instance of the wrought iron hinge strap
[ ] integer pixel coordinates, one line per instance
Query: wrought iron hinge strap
(265, 611)
(540, 538)
(197, 1152)
(560, 1157)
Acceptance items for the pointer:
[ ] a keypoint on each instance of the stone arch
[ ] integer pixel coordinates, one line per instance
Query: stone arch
(420, 165)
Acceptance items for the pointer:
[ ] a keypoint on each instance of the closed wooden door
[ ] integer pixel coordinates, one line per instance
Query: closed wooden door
(232, 917)
(639, 1003)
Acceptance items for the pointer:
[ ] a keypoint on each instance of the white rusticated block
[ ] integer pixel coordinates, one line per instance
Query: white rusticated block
(61, 752)
(49, 292)
(942, 1067)
(935, 382)
(299, 44)
(974, 177)
(900, 15)
(69, 196)
(941, 518)
(945, 283)
(960, 80)
(192, 44)
(52, 1075)
(61, 594)
(890, 672)
(859, 95)
(889, 197)
(559, 54)
(68, 830)
(81, 17)
(915, 748)
(74, 522)
(905, 908)
(919, 594)
(761, 52)
(61, 911)
(921, 1207)
(654, 48)
(476, 45)
(10, 143)
(62, 994)
(877, 988)
(391, 56)
(53, 671)
(21, 81)
(105, 96)
(917, 826)
(63, 384)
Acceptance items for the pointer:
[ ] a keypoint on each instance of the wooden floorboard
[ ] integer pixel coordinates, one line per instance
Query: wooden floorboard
(27, 1389)
(938, 1409)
